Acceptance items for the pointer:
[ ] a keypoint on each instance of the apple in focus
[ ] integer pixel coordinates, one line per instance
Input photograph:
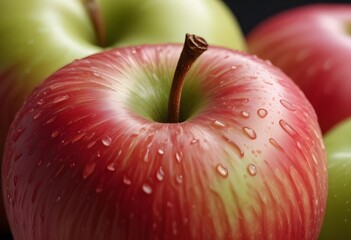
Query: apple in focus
(312, 45)
(40, 36)
(95, 152)
(337, 221)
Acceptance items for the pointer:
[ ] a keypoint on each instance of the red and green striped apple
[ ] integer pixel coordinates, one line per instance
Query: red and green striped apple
(96, 153)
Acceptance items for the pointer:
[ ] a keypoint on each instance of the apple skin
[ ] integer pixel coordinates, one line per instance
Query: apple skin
(312, 45)
(40, 36)
(337, 222)
(91, 156)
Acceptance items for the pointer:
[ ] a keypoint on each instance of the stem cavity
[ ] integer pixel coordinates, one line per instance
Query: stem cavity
(193, 47)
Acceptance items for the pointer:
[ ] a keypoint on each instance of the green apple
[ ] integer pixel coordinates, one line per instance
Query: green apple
(40, 36)
(337, 222)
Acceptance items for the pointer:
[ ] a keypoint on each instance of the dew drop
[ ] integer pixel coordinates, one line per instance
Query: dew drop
(111, 167)
(160, 174)
(89, 169)
(36, 115)
(287, 105)
(127, 180)
(194, 141)
(106, 141)
(262, 113)
(147, 188)
(55, 133)
(179, 179)
(91, 144)
(222, 171)
(252, 170)
(275, 144)
(61, 98)
(287, 128)
(250, 132)
(234, 145)
(178, 157)
(218, 124)
(160, 151)
(245, 114)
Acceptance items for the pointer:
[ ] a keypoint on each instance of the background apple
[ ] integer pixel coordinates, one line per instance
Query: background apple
(91, 154)
(39, 36)
(312, 45)
(337, 222)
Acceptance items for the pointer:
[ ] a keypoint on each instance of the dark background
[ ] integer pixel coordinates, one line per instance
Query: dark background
(250, 13)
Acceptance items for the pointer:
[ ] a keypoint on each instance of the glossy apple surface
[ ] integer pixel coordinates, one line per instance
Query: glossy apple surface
(312, 45)
(90, 154)
(337, 222)
(39, 36)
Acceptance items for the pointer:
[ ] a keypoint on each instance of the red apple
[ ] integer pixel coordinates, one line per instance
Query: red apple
(95, 152)
(312, 45)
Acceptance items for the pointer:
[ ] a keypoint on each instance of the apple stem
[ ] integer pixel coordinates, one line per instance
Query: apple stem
(193, 47)
(95, 15)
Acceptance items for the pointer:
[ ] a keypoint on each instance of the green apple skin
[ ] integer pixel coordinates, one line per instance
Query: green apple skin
(337, 221)
(40, 36)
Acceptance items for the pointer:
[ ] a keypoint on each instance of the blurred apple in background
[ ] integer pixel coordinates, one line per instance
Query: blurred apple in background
(337, 223)
(94, 153)
(312, 45)
(39, 36)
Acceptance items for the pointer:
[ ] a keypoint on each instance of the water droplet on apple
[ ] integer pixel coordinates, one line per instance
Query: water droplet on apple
(287, 105)
(37, 115)
(234, 145)
(160, 151)
(287, 128)
(91, 144)
(55, 133)
(127, 180)
(61, 98)
(252, 170)
(179, 179)
(223, 172)
(245, 114)
(218, 124)
(262, 113)
(250, 132)
(51, 120)
(178, 156)
(160, 174)
(147, 188)
(275, 144)
(89, 169)
(106, 141)
(194, 141)
(314, 159)
(111, 167)
(233, 67)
